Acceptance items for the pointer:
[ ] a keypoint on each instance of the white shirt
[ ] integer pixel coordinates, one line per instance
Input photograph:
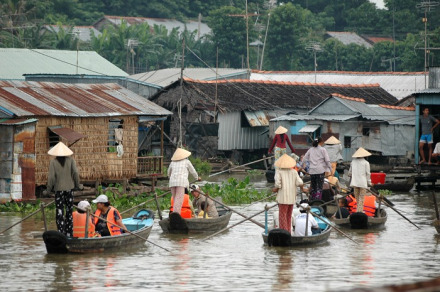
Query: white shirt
(178, 173)
(300, 224)
(334, 152)
(360, 173)
(436, 149)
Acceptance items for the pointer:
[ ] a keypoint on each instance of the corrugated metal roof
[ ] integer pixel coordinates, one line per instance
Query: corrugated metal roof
(399, 84)
(16, 62)
(18, 121)
(68, 134)
(165, 77)
(256, 118)
(348, 38)
(379, 113)
(84, 32)
(309, 128)
(62, 99)
(190, 25)
(294, 117)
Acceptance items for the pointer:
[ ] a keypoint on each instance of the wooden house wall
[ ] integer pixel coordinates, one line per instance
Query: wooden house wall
(94, 161)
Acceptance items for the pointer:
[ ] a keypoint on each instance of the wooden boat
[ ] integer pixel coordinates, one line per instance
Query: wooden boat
(140, 224)
(281, 237)
(395, 186)
(176, 224)
(360, 220)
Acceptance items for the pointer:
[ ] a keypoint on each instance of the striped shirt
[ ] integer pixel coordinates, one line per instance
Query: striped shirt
(178, 173)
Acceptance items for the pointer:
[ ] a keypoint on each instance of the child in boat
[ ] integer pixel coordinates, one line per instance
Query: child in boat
(343, 209)
(202, 211)
(301, 222)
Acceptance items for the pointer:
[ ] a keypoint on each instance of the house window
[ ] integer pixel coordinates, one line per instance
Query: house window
(53, 139)
(112, 125)
(366, 131)
(347, 142)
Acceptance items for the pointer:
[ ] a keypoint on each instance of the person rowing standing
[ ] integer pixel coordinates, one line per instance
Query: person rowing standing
(279, 143)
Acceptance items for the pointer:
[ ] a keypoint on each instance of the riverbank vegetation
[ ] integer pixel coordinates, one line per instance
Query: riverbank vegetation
(297, 33)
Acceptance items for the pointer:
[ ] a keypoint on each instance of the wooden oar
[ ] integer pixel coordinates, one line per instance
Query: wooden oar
(214, 174)
(227, 207)
(394, 209)
(28, 216)
(128, 231)
(141, 204)
(332, 225)
(437, 221)
(246, 219)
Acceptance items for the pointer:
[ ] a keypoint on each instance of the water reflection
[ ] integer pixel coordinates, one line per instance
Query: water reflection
(236, 260)
(284, 275)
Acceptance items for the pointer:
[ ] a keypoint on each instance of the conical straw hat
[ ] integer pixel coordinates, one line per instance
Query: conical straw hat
(180, 154)
(361, 152)
(333, 180)
(332, 141)
(280, 130)
(60, 150)
(285, 161)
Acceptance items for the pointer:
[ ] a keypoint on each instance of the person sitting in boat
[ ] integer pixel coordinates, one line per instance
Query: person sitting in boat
(79, 221)
(202, 212)
(301, 222)
(343, 209)
(187, 210)
(199, 198)
(369, 207)
(113, 221)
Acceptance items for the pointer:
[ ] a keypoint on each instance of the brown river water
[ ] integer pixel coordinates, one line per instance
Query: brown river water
(235, 260)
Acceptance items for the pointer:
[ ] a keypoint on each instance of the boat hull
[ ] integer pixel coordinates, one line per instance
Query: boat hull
(372, 222)
(196, 224)
(57, 242)
(296, 240)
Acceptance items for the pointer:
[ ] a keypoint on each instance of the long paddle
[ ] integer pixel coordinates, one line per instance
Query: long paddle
(246, 219)
(214, 174)
(332, 225)
(227, 207)
(126, 230)
(437, 221)
(28, 216)
(388, 205)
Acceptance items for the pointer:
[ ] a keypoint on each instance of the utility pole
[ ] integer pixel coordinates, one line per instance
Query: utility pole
(179, 143)
(315, 47)
(427, 6)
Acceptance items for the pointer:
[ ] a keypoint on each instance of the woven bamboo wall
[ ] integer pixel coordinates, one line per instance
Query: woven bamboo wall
(91, 154)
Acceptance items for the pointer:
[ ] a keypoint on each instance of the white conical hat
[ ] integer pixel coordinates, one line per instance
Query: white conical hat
(285, 161)
(361, 152)
(332, 141)
(280, 130)
(180, 154)
(60, 150)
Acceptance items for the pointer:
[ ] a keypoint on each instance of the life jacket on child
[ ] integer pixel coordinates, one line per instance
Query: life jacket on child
(185, 212)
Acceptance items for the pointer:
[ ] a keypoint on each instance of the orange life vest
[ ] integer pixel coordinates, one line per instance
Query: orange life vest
(110, 218)
(370, 205)
(79, 225)
(185, 212)
(352, 206)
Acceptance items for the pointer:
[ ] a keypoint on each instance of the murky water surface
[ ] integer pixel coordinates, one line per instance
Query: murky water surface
(235, 260)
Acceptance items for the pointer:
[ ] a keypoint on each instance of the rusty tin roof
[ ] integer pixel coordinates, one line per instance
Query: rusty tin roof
(27, 99)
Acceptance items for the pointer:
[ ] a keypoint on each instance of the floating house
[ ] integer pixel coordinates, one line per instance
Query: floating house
(229, 116)
(34, 116)
(385, 130)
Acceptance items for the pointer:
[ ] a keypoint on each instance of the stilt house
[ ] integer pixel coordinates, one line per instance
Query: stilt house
(92, 119)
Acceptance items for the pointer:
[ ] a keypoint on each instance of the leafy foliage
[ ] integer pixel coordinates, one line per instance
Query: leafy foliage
(202, 167)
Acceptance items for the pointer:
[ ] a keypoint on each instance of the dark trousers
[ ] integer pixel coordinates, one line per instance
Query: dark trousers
(64, 208)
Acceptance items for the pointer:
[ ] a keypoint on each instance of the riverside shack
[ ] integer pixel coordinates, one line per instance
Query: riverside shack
(224, 117)
(34, 116)
(385, 130)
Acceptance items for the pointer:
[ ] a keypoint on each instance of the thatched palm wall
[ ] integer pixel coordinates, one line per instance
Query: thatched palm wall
(91, 153)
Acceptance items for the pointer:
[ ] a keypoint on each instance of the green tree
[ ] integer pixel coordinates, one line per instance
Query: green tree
(229, 35)
(290, 27)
